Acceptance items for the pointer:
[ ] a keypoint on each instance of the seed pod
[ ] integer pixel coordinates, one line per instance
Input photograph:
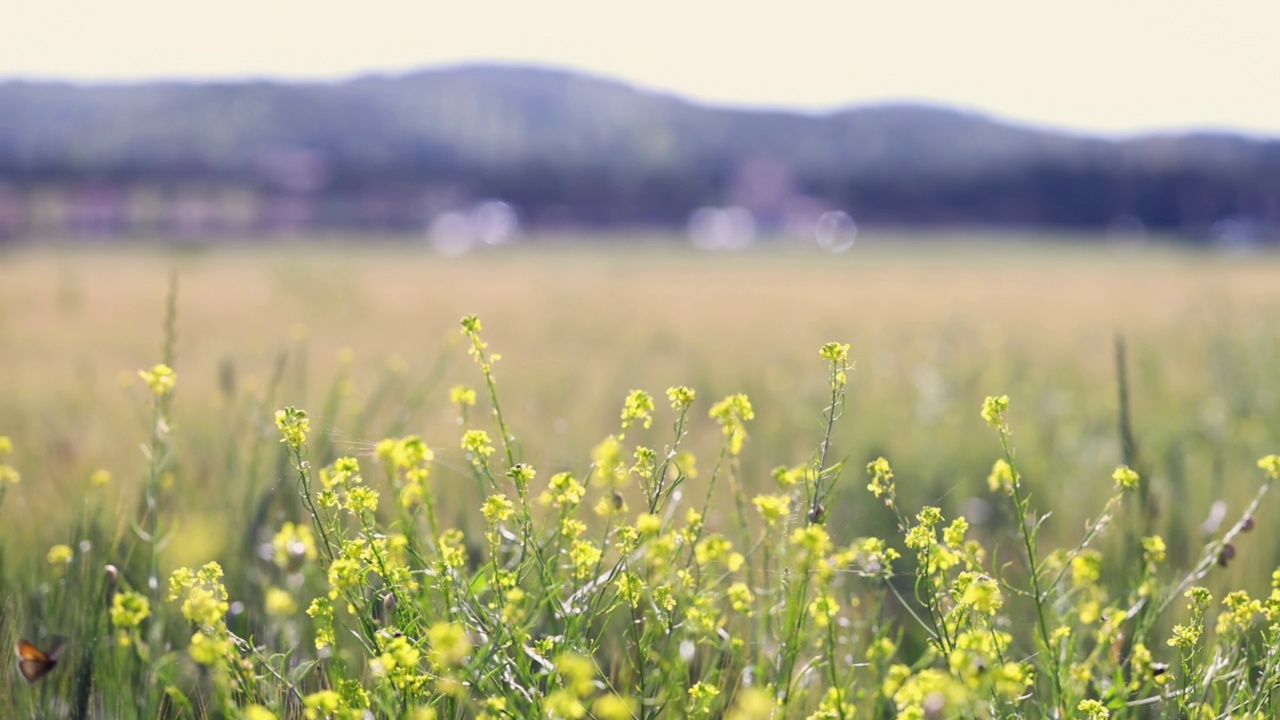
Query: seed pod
(112, 577)
(1226, 554)
(296, 555)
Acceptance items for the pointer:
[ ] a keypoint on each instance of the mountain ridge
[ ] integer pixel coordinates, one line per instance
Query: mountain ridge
(544, 137)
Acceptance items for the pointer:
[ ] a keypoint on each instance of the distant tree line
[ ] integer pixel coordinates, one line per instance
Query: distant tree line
(567, 151)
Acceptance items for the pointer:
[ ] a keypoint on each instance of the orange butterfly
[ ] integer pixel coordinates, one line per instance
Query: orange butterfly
(35, 663)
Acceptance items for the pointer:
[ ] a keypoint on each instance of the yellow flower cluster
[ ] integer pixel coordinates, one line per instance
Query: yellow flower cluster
(680, 397)
(1238, 616)
(8, 475)
(471, 330)
(129, 609)
(610, 466)
(638, 406)
(59, 555)
(577, 684)
(732, 414)
(477, 443)
(1125, 477)
(321, 613)
(585, 555)
(1270, 465)
(279, 602)
(838, 354)
(786, 477)
(161, 379)
(294, 426)
(773, 508)
(702, 698)
(563, 491)
(204, 605)
(462, 396)
(994, 408)
(292, 546)
(1186, 635)
(1001, 478)
(407, 459)
(497, 508)
(881, 480)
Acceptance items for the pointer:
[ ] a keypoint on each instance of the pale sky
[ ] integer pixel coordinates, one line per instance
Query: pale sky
(1094, 65)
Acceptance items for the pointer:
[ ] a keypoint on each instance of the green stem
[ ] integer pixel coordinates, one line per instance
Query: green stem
(1033, 568)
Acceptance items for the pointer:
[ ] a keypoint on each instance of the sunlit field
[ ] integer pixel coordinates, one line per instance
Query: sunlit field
(365, 337)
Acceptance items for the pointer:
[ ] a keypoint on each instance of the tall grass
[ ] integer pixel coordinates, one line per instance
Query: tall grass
(691, 555)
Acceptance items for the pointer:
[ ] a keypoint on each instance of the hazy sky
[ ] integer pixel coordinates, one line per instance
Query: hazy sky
(1111, 65)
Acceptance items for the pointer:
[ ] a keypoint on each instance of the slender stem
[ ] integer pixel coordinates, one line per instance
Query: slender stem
(153, 495)
(833, 413)
(304, 487)
(1033, 566)
(487, 370)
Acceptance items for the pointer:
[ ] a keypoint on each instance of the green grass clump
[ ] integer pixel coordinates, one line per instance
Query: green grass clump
(648, 580)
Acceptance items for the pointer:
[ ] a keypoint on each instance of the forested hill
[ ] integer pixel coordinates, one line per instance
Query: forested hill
(562, 145)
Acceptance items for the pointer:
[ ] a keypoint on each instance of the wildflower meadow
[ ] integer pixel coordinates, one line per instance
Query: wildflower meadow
(946, 511)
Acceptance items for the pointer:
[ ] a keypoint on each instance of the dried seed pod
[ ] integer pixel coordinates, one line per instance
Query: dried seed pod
(1226, 554)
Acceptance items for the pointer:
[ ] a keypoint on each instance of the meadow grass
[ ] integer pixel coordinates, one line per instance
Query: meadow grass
(744, 566)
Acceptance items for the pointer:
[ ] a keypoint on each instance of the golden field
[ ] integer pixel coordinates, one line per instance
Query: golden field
(935, 324)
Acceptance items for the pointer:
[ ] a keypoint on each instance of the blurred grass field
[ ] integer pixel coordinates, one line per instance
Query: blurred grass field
(935, 325)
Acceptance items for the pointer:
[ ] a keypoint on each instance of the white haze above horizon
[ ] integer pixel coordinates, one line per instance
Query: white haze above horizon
(1095, 66)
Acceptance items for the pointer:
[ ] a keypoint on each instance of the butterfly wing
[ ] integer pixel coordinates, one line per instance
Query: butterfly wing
(33, 662)
(29, 652)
